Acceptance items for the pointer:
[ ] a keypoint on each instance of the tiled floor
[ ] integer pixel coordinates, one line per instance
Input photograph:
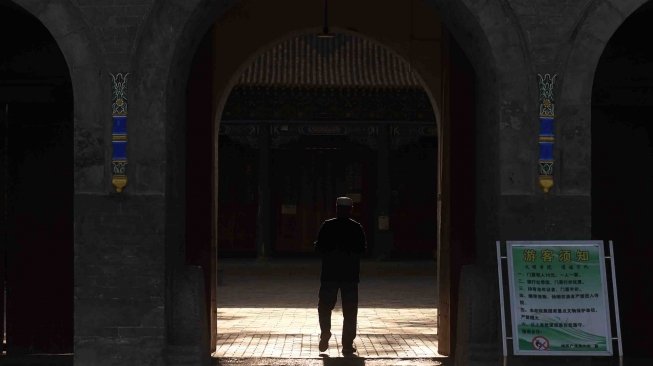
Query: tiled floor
(274, 314)
(293, 333)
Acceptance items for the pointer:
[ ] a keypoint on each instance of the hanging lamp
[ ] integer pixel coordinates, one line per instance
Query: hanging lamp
(325, 26)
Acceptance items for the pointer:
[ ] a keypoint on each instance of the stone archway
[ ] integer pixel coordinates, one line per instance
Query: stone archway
(84, 161)
(163, 59)
(622, 147)
(460, 79)
(202, 72)
(36, 109)
(597, 24)
(597, 119)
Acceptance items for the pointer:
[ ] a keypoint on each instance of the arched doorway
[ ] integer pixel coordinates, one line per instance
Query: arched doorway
(37, 188)
(622, 154)
(458, 224)
(326, 117)
(343, 116)
(483, 42)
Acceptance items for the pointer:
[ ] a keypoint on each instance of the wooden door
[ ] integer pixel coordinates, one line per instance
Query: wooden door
(445, 320)
(4, 175)
(414, 190)
(307, 182)
(456, 194)
(39, 246)
(201, 168)
(238, 198)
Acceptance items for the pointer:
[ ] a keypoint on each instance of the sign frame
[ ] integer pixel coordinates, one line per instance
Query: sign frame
(605, 329)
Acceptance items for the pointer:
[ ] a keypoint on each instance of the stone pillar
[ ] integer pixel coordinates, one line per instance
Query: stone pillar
(382, 233)
(263, 219)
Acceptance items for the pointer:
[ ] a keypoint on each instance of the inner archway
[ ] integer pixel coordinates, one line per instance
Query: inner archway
(311, 119)
(36, 120)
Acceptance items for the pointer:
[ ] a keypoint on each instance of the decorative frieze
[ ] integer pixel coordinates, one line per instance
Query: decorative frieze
(402, 135)
(363, 134)
(249, 103)
(547, 137)
(322, 129)
(119, 131)
(239, 129)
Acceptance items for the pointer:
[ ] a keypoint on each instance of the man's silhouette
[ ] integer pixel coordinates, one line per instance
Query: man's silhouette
(341, 241)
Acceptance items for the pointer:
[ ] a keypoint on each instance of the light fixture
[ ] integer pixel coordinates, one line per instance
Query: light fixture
(325, 27)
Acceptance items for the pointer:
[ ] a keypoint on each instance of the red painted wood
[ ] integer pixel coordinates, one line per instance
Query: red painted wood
(463, 165)
(40, 232)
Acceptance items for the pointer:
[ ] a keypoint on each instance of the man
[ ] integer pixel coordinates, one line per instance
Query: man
(341, 241)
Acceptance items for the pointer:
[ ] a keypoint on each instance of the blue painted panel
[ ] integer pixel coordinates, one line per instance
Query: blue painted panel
(546, 126)
(119, 125)
(119, 150)
(546, 151)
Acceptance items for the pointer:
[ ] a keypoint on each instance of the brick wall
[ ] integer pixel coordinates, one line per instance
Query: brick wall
(121, 240)
(119, 280)
(115, 25)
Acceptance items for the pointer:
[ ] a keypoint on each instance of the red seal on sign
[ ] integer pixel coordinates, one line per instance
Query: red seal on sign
(540, 343)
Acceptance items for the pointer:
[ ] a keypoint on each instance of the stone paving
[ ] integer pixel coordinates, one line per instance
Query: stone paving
(271, 312)
(341, 361)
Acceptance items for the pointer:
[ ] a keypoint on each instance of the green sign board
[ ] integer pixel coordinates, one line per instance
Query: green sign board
(559, 299)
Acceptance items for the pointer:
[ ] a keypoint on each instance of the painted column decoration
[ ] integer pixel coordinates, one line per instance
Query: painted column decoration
(546, 138)
(119, 131)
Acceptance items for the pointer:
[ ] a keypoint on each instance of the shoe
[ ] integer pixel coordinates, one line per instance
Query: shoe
(324, 343)
(348, 350)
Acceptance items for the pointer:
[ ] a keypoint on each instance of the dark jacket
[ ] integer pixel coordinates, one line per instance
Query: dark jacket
(340, 242)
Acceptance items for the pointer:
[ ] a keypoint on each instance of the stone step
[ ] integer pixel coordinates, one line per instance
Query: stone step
(37, 360)
(185, 356)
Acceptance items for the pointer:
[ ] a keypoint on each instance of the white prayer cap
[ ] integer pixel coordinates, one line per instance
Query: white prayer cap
(344, 201)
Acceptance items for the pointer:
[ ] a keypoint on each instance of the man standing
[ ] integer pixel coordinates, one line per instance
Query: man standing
(340, 242)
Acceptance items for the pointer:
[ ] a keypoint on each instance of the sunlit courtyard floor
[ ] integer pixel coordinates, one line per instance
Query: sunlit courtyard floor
(270, 310)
